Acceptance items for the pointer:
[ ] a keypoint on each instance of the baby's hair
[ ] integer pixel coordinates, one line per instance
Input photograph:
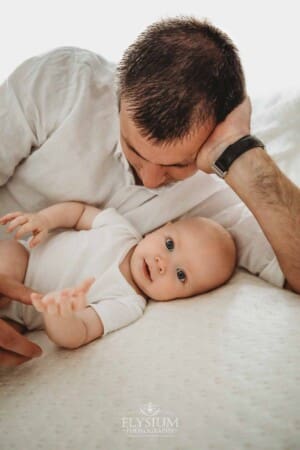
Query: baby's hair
(227, 251)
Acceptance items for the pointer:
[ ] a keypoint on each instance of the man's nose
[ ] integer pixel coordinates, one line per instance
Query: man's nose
(161, 264)
(153, 175)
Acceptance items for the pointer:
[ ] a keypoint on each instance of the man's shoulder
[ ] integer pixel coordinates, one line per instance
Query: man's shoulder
(77, 54)
(63, 63)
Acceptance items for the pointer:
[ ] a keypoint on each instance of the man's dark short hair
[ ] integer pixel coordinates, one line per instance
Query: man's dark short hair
(176, 75)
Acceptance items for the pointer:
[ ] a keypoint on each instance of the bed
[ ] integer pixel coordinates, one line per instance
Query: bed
(218, 371)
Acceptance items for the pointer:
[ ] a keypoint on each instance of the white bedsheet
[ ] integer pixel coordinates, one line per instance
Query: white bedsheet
(219, 371)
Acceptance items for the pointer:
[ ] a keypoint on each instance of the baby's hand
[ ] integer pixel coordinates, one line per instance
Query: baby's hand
(35, 223)
(63, 303)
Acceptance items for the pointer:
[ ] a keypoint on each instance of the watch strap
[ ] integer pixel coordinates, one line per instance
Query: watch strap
(231, 153)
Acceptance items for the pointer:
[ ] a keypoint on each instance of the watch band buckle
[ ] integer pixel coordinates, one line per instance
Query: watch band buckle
(218, 171)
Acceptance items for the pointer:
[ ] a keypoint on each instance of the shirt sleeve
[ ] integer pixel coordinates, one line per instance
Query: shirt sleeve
(17, 136)
(34, 100)
(255, 253)
(117, 313)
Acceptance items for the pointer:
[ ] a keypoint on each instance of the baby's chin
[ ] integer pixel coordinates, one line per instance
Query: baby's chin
(159, 298)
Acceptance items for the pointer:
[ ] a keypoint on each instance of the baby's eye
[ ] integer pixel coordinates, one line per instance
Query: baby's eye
(170, 244)
(181, 275)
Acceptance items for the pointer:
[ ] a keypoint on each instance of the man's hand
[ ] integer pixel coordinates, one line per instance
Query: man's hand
(63, 303)
(13, 289)
(15, 349)
(235, 126)
(36, 223)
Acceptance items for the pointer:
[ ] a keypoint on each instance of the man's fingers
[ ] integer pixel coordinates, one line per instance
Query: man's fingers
(4, 301)
(10, 359)
(36, 300)
(11, 340)
(12, 288)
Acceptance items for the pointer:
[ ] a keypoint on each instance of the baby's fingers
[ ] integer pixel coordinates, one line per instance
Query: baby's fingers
(45, 304)
(65, 304)
(85, 285)
(20, 220)
(80, 302)
(37, 239)
(26, 228)
(71, 303)
(37, 302)
(10, 216)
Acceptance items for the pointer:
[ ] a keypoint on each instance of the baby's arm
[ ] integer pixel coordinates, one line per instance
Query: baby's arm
(69, 322)
(62, 215)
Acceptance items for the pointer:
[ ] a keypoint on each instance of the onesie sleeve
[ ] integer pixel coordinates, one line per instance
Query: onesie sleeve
(117, 313)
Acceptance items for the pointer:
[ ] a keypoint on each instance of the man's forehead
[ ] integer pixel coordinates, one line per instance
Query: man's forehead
(182, 152)
(162, 156)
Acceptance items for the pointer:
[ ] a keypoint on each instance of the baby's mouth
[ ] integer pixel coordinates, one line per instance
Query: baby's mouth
(147, 270)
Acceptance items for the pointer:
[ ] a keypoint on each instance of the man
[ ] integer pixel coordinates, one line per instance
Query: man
(182, 108)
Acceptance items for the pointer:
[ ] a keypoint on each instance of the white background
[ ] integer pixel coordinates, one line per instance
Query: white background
(266, 33)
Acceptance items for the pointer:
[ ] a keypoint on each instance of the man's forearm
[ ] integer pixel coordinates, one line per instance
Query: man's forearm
(275, 202)
(63, 215)
(68, 332)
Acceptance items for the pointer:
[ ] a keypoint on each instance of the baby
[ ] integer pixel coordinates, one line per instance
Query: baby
(117, 269)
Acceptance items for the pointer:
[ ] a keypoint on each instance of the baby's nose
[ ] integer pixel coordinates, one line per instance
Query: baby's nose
(160, 264)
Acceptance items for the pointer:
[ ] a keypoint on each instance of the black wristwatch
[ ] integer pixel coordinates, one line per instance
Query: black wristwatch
(231, 153)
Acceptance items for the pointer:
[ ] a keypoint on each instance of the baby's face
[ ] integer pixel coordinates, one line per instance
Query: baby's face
(178, 260)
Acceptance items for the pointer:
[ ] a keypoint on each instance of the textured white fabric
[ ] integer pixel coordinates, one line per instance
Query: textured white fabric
(66, 258)
(59, 140)
(225, 364)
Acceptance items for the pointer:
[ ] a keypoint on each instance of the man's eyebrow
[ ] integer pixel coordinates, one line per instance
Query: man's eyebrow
(182, 164)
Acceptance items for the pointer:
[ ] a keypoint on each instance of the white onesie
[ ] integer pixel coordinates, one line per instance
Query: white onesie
(66, 258)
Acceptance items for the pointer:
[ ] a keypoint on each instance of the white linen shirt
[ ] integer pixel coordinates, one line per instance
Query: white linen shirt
(59, 141)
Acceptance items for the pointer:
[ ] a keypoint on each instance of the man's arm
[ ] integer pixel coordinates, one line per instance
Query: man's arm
(272, 198)
(275, 202)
